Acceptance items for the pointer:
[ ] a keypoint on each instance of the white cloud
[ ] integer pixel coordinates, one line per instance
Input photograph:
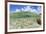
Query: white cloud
(17, 10)
(39, 8)
(22, 9)
(34, 10)
(12, 12)
(27, 8)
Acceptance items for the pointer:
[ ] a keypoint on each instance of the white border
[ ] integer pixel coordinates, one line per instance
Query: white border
(32, 29)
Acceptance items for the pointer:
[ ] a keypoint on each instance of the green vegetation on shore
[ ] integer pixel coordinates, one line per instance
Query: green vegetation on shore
(21, 20)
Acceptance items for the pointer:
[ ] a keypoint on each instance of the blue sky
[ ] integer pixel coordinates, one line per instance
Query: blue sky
(15, 8)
